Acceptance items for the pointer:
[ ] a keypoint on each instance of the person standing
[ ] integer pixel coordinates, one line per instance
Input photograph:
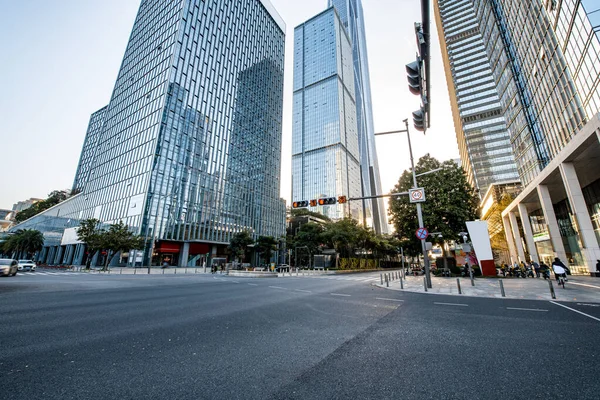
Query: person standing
(536, 267)
(598, 266)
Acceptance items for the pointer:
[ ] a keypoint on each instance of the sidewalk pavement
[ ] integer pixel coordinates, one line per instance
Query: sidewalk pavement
(134, 271)
(577, 288)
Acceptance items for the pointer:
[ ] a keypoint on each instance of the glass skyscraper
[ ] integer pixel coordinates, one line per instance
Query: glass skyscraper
(481, 128)
(188, 150)
(325, 152)
(349, 15)
(545, 58)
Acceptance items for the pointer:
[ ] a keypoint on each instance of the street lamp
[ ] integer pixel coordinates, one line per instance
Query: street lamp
(419, 211)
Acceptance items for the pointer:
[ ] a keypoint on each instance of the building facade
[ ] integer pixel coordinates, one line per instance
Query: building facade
(352, 17)
(325, 146)
(544, 58)
(481, 128)
(187, 152)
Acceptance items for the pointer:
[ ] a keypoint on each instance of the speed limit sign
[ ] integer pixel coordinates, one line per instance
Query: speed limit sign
(416, 195)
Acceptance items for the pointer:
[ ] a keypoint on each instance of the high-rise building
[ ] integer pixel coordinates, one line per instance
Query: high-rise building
(481, 129)
(544, 57)
(352, 17)
(345, 24)
(187, 152)
(325, 152)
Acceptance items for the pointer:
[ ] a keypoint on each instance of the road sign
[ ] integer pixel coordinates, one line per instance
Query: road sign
(422, 233)
(416, 195)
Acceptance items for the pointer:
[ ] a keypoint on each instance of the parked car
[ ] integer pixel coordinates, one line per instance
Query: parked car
(26, 265)
(8, 267)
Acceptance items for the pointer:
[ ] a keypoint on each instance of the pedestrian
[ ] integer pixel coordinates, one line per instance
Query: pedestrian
(598, 266)
(562, 268)
(165, 264)
(536, 267)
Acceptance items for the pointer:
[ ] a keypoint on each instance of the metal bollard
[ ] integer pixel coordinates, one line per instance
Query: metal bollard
(163, 271)
(472, 280)
(401, 284)
(552, 289)
(458, 285)
(195, 270)
(109, 271)
(381, 277)
(425, 283)
(387, 281)
(185, 271)
(175, 270)
(121, 272)
(135, 271)
(502, 288)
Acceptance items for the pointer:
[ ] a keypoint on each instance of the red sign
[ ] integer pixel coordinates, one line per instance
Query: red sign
(422, 233)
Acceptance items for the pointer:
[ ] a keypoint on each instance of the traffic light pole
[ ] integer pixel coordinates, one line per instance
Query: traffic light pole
(419, 210)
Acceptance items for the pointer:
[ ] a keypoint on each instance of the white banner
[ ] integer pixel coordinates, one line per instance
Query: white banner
(480, 237)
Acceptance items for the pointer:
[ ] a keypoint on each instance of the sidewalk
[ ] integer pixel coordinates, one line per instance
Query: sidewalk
(578, 288)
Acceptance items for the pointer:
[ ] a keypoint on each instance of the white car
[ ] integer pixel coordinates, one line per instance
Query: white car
(26, 265)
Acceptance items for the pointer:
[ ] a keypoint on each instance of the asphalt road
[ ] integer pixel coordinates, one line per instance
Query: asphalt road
(78, 336)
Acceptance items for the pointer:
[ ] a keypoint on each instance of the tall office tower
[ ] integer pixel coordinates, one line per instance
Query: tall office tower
(88, 151)
(481, 128)
(325, 153)
(188, 152)
(351, 15)
(544, 57)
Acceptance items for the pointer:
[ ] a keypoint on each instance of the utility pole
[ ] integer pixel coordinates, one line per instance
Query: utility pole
(419, 210)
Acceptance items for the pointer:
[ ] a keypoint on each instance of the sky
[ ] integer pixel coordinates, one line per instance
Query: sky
(61, 59)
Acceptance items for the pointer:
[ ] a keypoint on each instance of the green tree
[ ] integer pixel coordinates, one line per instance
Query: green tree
(90, 233)
(450, 203)
(54, 197)
(119, 238)
(344, 236)
(265, 246)
(309, 236)
(239, 244)
(28, 241)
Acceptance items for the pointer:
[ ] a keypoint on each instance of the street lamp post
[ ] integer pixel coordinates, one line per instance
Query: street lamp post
(419, 211)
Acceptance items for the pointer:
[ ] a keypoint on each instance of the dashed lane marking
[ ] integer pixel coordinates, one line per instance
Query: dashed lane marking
(253, 284)
(340, 294)
(386, 299)
(574, 310)
(303, 291)
(451, 304)
(277, 287)
(526, 309)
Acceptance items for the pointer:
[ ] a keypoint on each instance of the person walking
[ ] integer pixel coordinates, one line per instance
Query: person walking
(536, 268)
(598, 266)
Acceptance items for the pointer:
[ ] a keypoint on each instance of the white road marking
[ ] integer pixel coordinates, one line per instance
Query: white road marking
(277, 287)
(303, 291)
(583, 284)
(452, 304)
(339, 294)
(577, 311)
(526, 309)
(385, 298)
(234, 281)
(252, 284)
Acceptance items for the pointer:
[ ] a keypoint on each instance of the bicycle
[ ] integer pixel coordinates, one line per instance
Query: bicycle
(561, 280)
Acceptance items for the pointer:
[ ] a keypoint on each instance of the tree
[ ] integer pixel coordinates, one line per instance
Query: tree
(90, 233)
(28, 241)
(344, 236)
(266, 245)
(54, 197)
(450, 203)
(239, 244)
(298, 212)
(118, 238)
(309, 236)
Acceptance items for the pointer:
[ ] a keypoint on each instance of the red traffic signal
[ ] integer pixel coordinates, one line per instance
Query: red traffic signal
(313, 203)
(327, 201)
(342, 199)
(300, 204)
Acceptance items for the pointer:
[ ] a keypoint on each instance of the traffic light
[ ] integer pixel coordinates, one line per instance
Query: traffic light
(300, 204)
(313, 203)
(415, 77)
(342, 199)
(419, 119)
(326, 201)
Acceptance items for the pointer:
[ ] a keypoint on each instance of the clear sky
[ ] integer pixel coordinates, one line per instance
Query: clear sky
(61, 59)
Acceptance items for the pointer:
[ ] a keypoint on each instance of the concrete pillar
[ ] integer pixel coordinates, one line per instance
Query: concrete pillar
(510, 239)
(50, 255)
(550, 217)
(590, 250)
(184, 254)
(517, 235)
(59, 253)
(531, 249)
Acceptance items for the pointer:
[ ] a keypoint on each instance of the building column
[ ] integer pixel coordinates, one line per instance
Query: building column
(590, 250)
(510, 239)
(531, 249)
(550, 217)
(517, 235)
(184, 254)
(58, 257)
